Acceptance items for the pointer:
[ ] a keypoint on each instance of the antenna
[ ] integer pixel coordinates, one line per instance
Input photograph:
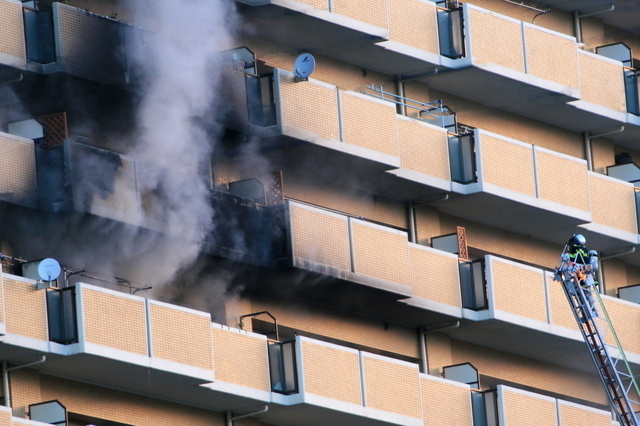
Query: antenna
(304, 66)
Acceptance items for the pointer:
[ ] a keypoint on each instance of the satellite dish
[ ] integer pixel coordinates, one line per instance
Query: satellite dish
(304, 66)
(49, 269)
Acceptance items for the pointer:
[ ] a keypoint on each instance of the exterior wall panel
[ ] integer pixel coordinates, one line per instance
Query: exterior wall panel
(331, 372)
(507, 165)
(320, 237)
(115, 321)
(240, 359)
(12, 42)
(18, 182)
(510, 281)
(180, 336)
(434, 276)
(575, 415)
(602, 82)
(613, 203)
(496, 40)
(445, 404)
(519, 409)
(26, 309)
(562, 180)
(560, 310)
(414, 23)
(392, 386)
(369, 123)
(423, 149)
(319, 117)
(552, 57)
(380, 253)
(626, 319)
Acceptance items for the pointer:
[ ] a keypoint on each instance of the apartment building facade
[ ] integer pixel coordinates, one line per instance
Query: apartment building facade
(384, 231)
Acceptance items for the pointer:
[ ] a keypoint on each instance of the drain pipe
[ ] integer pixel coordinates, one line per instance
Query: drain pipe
(599, 271)
(411, 219)
(5, 377)
(400, 107)
(577, 16)
(422, 334)
(587, 144)
(230, 420)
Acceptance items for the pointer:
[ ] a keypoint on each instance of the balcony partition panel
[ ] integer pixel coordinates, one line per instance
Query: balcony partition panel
(507, 164)
(391, 385)
(380, 252)
(320, 236)
(18, 180)
(522, 408)
(562, 179)
(423, 148)
(414, 23)
(369, 123)
(495, 40)
(434, 275)
(508, 280)
(551, 56)
(308, 106)
(12, 40)
(602, 81)
(240, 358)
(613, 203)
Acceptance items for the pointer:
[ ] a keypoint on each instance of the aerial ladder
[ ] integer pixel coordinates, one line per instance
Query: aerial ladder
(600, 337)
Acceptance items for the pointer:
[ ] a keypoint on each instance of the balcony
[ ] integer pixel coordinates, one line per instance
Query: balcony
(528, 314)
(18, 179)
(520, 187)
(64, 39)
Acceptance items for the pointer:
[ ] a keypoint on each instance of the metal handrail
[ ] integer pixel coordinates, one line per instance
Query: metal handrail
(426, 107)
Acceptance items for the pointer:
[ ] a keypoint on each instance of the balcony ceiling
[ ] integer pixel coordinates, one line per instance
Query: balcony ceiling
(626, 14)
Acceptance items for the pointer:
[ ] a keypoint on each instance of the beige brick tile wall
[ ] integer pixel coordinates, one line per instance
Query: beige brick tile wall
(510, 283)
(2, 294)
(341, 74)
(414, 23)
(380, 254)
(633, 274)
(504, 243)
(362, 331)
(427, 223)
(556, 20)
(614, 273)
(392, 387)
(126, 328)
(26, 310)
(25, 390)
(331, 373)
(181, 337)
(240, 359)
(234, 308)
(602, 82)
(17, 165)
(344, 199)
(501, 122)
(574, 416)
(559, 305)
(535, 374)
(495, 40)
(603, 155)
(552, 57)
(423, 149)
(5, 419)
(369, 124)
(372, 12)
(438, 352)
(604, 195)
(444, 404)
(12, 31)
(517, 174)
(321, 118)
(320, 238)
(562, 180)
(518, 410)
(434, 277)
(119, 406)
(626, 321)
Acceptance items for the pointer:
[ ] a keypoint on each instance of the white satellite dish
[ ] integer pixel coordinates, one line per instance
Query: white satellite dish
(49, 269)
(304, 66)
